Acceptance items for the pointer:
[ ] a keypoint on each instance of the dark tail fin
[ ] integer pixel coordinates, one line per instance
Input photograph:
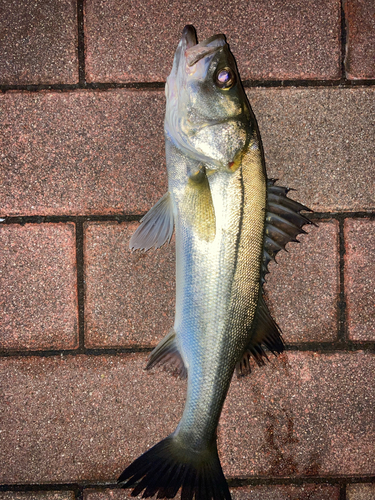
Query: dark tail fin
(167, 467)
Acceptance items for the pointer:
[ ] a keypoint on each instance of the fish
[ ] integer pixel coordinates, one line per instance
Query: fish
(230, 221)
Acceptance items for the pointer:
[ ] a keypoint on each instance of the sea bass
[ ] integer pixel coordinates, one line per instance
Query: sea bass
(229, 222)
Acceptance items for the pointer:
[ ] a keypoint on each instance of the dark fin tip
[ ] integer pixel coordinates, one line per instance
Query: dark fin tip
(167, 467)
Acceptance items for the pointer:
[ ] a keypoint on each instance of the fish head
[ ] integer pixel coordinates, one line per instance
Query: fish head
(207, 112)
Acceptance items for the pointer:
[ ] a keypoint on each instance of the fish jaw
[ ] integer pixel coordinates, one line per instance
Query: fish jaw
(206, 119)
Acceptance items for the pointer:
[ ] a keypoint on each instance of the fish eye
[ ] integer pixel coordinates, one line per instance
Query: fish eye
(225, 78)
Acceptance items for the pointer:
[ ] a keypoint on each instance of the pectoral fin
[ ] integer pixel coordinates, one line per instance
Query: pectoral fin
(198, 205)
(156, 226)
(264, 331)
(167, 353)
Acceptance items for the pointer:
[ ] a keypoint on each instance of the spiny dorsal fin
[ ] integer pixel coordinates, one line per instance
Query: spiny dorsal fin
(156, 226)
(284, 222)
(264, 331)
(167, 353)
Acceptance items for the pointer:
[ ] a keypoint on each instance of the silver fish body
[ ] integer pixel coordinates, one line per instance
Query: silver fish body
(229, 221)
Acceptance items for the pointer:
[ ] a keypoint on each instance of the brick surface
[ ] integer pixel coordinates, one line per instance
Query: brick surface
(81, 152)
(66, 419)
(103, 152)
(360, 278)
(303, 288)
(38, 287)
(37, 495)
(38, 42)
(304, 414)
(360, 491)
(136, 42)
(360, 22)
(305, 492)
(320, 142)
(130, 296)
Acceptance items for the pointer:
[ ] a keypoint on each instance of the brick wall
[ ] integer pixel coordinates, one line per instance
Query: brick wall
(82, 158)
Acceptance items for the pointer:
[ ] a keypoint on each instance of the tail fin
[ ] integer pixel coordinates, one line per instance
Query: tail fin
(167, 466)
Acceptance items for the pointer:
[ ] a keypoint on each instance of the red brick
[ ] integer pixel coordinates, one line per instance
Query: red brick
(360, 278)
(303, 288)
(67, 419)
(360, 22)
(130, 296)
(81, 152)
(360, 491)
(37, 495)
(320, 141)
(302, 414)
(38, 287)
(136, 42)
(38, 42)
(305, 492)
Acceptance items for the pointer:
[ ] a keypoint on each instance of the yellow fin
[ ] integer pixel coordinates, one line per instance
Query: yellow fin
(198, 205)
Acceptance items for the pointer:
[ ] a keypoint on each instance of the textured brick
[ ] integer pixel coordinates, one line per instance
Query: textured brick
(320, 142)
(129, 295)
(303, 288)
(360, 278)
(360, 22)
(38, 286)
(37, 495)
(305, 492)
(135, 42)
(38, 42)
(68, 419)
(360, 491)
(56, 159)
(302, 414)
(81, 152)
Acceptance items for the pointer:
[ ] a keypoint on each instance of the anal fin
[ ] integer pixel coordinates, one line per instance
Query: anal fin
(156, 226)
(264, 332)
(167, 353)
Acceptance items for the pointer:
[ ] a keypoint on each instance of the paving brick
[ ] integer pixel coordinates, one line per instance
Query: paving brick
(303, 288)
(320, 142)
(38, 42)
(360, 23)
(37, 495)
(130, 296)
(360, 491)
(81, 152)
(38, 287)
(55, 159)
(304, 492)
(360, 278)
(67, 419)
(302, 414)
(136, 42)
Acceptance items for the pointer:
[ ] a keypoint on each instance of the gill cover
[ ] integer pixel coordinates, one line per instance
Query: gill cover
(207, 115)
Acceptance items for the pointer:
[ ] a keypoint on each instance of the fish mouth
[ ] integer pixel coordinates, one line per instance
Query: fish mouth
(195, 51)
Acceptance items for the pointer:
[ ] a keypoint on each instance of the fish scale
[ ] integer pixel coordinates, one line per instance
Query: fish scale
(230, 221)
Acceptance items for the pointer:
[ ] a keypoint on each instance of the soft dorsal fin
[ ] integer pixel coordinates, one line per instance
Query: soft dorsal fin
(167, 353)
(283, 222)
(156, 226)
(264, 331)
